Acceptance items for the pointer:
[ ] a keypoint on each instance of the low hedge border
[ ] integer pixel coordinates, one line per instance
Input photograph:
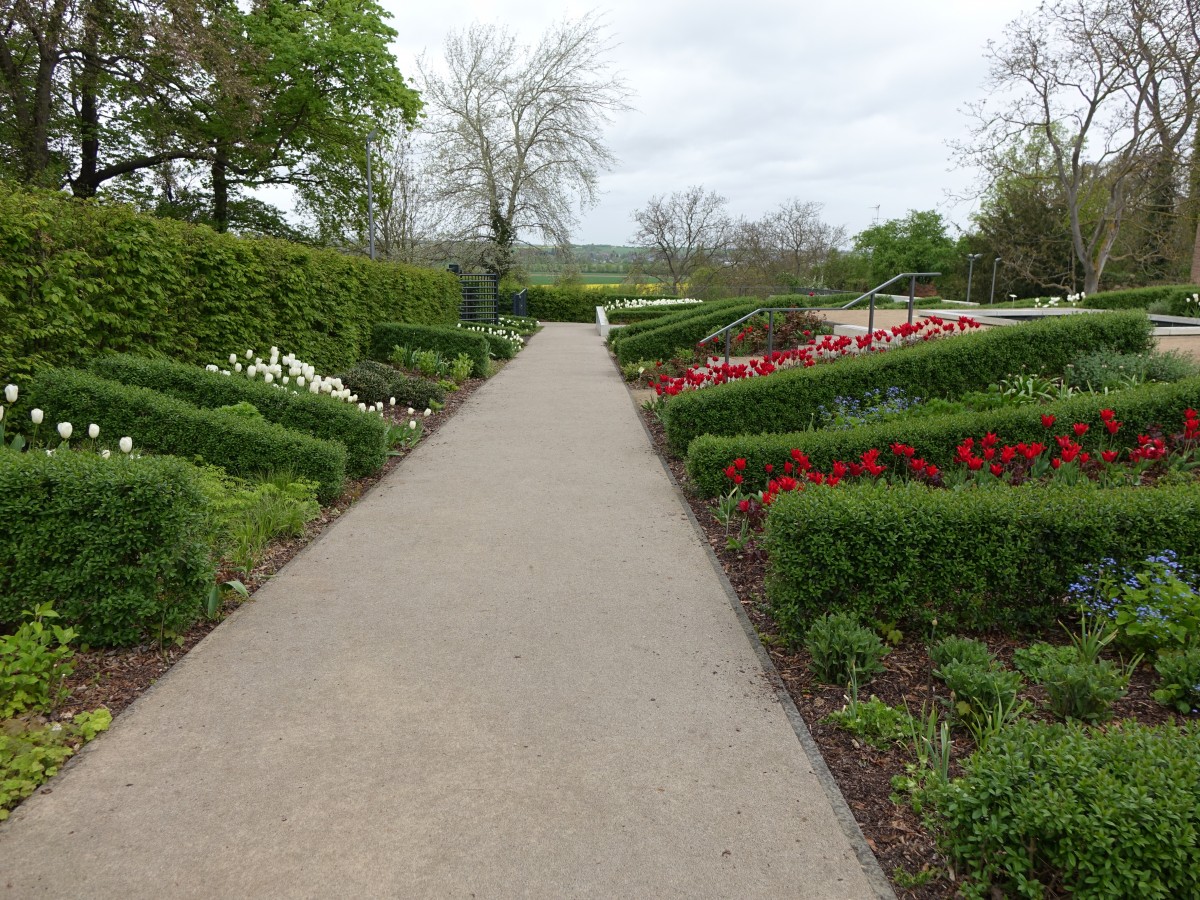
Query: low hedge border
(118, 544)
(162, 424)
(1176, 295)
(647, 313)
(947, 367)
(363, 436)
(991, 557)
(935, 437)
(386, 336)
(671, 317)
(673, 335)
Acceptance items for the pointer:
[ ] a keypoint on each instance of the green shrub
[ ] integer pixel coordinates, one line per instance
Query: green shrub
(909, 554)
(1084, 691)
(880, 725)
(1173, 296)
(1106, 370)
(675, 317)
(935, 437)
(1033, 661)
(314, 414)
(549, 303)
(119, 543)
(840, 647)
(503, 342)
(449, 342)
(960, 650)
(979, 689)
(162, 424)
(29, 757)
(35, 660)
(1180, 673)
(1075, 811)
(674, 334)
(647, 313)
(378, 382)
(949, 367)
(81, 278)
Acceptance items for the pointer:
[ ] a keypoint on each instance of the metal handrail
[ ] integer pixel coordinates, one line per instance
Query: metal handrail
(771, 310)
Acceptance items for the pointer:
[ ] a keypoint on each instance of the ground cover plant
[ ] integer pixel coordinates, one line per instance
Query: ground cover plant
(789, 401)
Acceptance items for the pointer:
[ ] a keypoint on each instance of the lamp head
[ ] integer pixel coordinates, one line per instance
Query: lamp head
(372, 134)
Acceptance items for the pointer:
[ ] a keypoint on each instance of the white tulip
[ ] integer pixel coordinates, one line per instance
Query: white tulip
(391, 401)
(93, 431)
(371, 408)
(10, 393)
(105, 454)
(126, 444)
(232, 358)
(268, 378)
(354, 398)
(299, 381)
(251, 371)
(249, 354)
(428, 412)
(237, 367)
(64, 430)
(224, 371)
(286, 379)
(37, 415)
(210, 368)
(314, 387)
(362, 407)
(412, 425)
(411, 410)
(1, 413)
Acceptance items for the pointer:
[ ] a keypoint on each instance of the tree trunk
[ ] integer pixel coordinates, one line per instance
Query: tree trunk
(220, 185)
(1196, 256)
(86, 184)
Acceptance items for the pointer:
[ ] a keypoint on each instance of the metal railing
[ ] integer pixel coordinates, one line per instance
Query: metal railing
(770, 311)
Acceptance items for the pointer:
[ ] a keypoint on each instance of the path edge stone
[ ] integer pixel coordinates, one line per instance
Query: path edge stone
(866, 858)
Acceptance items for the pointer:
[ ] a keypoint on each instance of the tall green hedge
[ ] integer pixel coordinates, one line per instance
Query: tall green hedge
(935, 437)
(118, 544)
(979, 558)
(563, 304)
(386, 336)
(161, 424)
(364, 436)
(948, 367)
(80, 278)
(673, 335)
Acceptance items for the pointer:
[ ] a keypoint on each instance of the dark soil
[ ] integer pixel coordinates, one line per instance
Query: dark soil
(116, 677)
(905, 849)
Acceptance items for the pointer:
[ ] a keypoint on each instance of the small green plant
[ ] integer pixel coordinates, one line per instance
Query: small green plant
(243, 408)
(840, 646)
(34, 663)
(29, 757)
(980, 692)
(212, 603)
(874, 721)
(1033, 660)
(1180, 686)
(1085, 691)
(961, 650)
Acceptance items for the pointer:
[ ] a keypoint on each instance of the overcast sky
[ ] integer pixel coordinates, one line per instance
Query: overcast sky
(847, 104)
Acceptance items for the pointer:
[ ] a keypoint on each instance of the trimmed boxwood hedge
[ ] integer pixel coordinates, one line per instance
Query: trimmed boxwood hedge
(378, 382)
(165, 425)
(363, 436)
(647, 313)
(499, 347)
(81, 278)
(973, 559)
(680, 333)
(935, 437)
(947, 367)
(118, 544)
(562, 304)
(386, 336)
(673, 317)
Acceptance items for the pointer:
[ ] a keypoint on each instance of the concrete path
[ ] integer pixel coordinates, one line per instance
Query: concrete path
(510, 671)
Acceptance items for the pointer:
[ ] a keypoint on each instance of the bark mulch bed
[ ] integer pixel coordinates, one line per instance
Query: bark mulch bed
(904, 848)
(116, 677)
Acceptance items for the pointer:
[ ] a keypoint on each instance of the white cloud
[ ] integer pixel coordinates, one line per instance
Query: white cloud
(848, 104)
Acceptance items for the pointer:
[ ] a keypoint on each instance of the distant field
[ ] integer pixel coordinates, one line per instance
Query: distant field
(585, 277)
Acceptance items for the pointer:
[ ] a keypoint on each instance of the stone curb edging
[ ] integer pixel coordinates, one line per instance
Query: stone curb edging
(841, 810)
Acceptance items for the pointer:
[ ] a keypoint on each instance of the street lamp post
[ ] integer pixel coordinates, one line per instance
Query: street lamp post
(971, 257)
(995, 264)
(371, 135)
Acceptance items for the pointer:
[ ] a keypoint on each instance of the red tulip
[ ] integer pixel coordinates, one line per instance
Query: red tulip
(1048, 421)
(1110, 456)
(997, 469)
(1080, 429)
(740, 463)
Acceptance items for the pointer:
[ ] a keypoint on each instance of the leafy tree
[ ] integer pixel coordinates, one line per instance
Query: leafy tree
(916, 243)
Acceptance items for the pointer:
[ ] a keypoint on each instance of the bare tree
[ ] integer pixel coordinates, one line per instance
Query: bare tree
(788, 247)
(682, 232)
(518, 131)
(1110, 87)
